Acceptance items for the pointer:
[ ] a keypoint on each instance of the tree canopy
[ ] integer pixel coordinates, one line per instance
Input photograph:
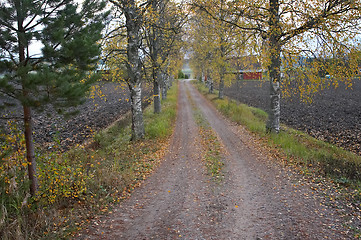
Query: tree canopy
(300, 43)
(141, 44)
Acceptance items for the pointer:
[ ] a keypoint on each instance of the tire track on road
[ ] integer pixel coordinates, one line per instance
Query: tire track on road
(263, 202)
(175, 201)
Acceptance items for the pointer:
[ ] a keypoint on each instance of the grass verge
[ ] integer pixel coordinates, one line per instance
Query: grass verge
(86, 181)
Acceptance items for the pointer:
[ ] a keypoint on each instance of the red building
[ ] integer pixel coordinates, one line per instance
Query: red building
(248, 68)
(251, 75)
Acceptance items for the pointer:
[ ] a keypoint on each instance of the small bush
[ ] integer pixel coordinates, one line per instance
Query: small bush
(61, 178)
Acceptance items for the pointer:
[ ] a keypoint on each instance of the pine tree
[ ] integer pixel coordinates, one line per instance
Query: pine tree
(60, 75)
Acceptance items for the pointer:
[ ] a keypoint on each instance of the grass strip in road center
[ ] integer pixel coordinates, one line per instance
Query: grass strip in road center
(212, 156)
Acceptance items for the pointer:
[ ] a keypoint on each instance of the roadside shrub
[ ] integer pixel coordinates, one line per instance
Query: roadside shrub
(76, 185)
(12, 157)
(15, 201)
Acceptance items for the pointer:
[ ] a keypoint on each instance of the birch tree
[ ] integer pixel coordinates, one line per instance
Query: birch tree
(137, 40)
(202, 49)
(133, 12)
(216, 39)
(320, 30)
(162, 29)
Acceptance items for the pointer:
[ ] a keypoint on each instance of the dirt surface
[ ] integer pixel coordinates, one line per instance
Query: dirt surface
(106, 103)
(334, 115)
(257, 199)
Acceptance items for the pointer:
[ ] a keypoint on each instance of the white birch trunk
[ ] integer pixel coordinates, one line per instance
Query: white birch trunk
(137, 113)
(165, 81)
(133, 23)
(273, 124)
(156, 94)
(210, 84)
(222, 72)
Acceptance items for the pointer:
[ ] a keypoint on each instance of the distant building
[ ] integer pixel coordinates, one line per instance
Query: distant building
(247, 68)
(251, 74)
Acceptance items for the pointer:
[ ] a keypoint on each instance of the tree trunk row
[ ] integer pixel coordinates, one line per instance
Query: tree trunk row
(133, 23)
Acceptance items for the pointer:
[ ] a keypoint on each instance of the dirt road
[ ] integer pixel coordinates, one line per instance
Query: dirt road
(257, 199)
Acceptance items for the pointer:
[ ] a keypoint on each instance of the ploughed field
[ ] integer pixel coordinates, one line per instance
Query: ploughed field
(105, 104)
(334, 115)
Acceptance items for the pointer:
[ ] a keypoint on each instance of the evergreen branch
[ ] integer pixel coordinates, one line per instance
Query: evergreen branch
(9, 94)
(68, 34)
(34, 17)
(8, 26)
(10, 55)
(27, 27)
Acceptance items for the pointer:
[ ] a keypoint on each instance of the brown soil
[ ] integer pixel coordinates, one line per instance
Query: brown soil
(333, 116)
(109, 102)
(257, 199)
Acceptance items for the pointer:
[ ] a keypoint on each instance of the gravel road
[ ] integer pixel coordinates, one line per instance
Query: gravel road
(258, 198)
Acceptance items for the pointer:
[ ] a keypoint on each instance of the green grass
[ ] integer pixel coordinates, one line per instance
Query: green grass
(160, 125)
(324, 158)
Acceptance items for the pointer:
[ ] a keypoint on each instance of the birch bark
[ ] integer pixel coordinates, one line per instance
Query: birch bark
(133, 23)
(156, 95)
(273, 124)
(165, 84)
(137, 113)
